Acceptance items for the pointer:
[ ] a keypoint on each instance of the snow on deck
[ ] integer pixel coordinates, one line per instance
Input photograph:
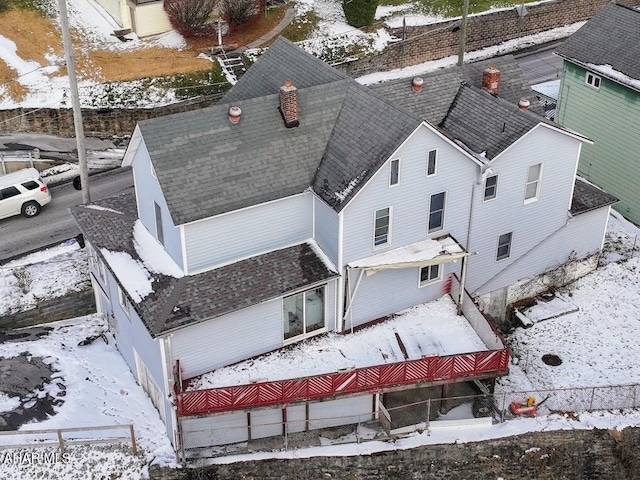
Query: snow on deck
(428, 329)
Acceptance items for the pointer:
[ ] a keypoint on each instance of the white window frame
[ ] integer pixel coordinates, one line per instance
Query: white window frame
(508, 245)
(388, 241)
(495, 189)
(305, 334)
(435, 162)
(124, 302)
(430, 280)
(395, 161)
(538, 183)
(592, 80)
(444, 210)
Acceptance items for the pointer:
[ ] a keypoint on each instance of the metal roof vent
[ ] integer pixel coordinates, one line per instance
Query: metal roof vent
(416, 84)
(234, 114)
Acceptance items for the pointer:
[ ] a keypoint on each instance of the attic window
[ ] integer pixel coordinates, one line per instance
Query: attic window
(593, 80)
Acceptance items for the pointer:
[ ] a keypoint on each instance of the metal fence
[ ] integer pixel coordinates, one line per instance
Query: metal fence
(383, 422)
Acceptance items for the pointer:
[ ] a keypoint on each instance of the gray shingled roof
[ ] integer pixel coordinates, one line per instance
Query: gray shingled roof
(440, 87)
(587, 197)
(282, 61)
(485, 123)
(611, 37)
(207, 166)
(178, 302)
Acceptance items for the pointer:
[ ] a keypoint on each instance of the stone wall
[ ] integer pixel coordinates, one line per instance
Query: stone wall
(71, 305)
(101, 123)
(570, 454)
(439, 40)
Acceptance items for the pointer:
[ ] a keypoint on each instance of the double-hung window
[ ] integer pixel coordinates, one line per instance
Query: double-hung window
(430, 274)
(394, 172)
(504, 246)
(382, 226)
(303, 313)
(532, 188)
(436, 212)
(490, 187)
(432, 160)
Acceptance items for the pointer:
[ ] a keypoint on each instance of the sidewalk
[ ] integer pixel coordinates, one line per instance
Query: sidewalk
(286, 20)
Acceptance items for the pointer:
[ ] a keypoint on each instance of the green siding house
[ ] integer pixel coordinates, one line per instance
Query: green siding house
(600, 98)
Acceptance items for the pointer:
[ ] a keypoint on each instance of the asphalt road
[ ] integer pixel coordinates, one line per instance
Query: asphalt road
(54, 225)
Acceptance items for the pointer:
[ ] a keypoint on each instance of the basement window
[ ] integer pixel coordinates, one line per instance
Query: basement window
(593, 80)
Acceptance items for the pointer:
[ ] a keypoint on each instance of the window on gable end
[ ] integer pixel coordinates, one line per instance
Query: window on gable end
(436, 212)
(532, 188)
(593, 80)
(394, 172)
(432, 161)
(490, 187)
(158, 217)
(382, 227)
(124, 302)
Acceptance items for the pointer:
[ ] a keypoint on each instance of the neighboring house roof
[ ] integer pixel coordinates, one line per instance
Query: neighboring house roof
(440, 87)
(485, 123)
(608, 43)
(266, 76)
(177, 302)
(587, 197)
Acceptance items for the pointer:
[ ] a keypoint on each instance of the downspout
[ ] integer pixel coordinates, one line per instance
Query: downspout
(342, 280)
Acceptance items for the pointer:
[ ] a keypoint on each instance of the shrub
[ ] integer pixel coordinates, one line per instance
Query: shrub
(360, 13)
(5, 5)
(191, 17)
(238, 12)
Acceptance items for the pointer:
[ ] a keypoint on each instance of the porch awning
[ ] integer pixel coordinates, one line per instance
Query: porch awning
(420, 254)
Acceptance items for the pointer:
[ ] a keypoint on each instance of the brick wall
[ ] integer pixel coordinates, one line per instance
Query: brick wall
(570, 454)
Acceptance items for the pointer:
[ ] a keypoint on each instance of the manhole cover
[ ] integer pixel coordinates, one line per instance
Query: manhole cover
(551, 359)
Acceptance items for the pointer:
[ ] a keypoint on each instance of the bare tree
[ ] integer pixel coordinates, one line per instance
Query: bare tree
(239, 12)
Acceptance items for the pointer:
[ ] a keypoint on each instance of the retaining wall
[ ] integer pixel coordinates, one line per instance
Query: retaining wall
(570, 454)
(71, 305)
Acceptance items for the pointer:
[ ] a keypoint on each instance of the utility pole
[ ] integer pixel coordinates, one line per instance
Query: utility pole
(75, 100)
(463, 32)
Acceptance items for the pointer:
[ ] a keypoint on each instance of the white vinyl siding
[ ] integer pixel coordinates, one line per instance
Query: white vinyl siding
(249, 232)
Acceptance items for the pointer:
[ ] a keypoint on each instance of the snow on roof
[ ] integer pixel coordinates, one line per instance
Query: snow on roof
(321, 255)
(609, 72)
(445, 249)
(153, 254)
(548, 89)
(428, 329)
(136, 275)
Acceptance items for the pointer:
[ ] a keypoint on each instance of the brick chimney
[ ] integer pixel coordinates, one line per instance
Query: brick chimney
(289, 105)
(491, 80)
(416, 84)
(524, 104)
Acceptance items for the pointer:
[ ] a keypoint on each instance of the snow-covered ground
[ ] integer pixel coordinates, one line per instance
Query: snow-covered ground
(596, 345)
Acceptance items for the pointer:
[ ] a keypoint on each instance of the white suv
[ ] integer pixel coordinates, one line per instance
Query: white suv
(22, 192)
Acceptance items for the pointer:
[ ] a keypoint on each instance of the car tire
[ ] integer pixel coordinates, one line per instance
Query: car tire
(30, 209)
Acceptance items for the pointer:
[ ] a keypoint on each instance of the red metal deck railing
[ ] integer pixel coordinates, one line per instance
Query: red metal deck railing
(367, 379)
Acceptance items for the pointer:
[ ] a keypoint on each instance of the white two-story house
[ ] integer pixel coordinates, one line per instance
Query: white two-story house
(305, 203)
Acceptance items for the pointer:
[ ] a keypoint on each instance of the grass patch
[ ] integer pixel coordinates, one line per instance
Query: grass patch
(302, 28)
(33, 34)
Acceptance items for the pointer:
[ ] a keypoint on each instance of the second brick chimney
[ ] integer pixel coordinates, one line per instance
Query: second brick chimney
(289, 105)
(491, 80)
